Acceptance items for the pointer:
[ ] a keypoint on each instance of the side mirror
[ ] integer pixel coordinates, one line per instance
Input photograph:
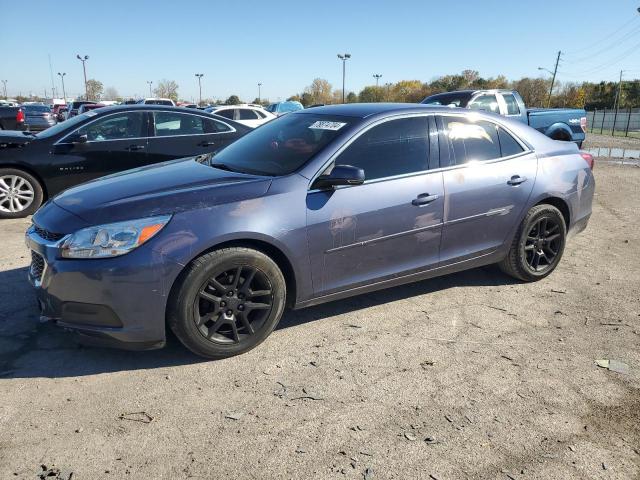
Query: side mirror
(79, 139)
(341, 175)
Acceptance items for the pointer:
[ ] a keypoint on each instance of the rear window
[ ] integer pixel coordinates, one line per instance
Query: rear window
(471, 141)
(284, 145)
(448, 99)
(158, 102)
(508, 144)
(36, 108)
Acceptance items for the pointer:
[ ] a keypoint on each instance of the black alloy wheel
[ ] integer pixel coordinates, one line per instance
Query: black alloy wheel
(543, 244)
(233, 304)
(227, 302)
(538, 244)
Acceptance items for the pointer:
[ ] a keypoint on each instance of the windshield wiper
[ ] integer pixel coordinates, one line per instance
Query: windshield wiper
(224, 166)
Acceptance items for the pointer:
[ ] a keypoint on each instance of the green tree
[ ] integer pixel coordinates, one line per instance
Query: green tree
(320, 91)
(232, 100)
(371, 94)
(94, 89)
(352, 97)
(167, 89)
(294, 98)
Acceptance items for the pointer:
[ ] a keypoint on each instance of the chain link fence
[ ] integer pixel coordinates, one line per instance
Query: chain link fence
(621, 122)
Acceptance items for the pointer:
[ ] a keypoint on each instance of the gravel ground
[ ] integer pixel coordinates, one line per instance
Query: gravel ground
(471, 375)
(595, 140)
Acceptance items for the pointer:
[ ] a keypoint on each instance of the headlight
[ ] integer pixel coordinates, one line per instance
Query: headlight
(113, 239)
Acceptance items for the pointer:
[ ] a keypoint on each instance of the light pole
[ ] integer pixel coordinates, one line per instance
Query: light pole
(200, 75)
(259, 85)
(150, 82)
(344, 57)
(553, 77)
(377, 76)
(4, 82)
(64, 92)
(84, 69)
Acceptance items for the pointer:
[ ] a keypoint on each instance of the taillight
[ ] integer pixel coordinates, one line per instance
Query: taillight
(583, 124)
(20, 116)
(587, 158)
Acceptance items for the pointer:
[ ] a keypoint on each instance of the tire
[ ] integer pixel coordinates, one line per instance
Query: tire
(213, 311)
(20, 193)
(531, 256)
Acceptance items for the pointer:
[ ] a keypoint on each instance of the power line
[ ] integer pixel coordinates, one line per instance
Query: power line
(610, 62)
(615, 32)
(606, 48)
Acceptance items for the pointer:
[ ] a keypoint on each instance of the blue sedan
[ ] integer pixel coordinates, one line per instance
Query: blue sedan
(315, 206)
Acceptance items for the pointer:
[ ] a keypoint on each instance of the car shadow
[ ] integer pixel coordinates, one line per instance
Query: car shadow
(31, 349)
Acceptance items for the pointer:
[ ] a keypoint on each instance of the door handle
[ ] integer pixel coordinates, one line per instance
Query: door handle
(133, 148)
(516, 180)
(206, 144)
(423, 199)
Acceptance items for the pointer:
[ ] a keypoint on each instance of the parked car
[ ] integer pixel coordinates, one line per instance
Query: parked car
(157, 101)
(187, 105)
(90, 106)
(99, 142)
(282, 108)
(61, 116)
(568, 124)
(12, 118)
(311, 207)
(72, 108)
(38, 117)
(250, 115)
(56, 109)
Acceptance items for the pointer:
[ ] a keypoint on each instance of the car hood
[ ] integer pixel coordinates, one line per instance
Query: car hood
(164, 188)
(14, 138)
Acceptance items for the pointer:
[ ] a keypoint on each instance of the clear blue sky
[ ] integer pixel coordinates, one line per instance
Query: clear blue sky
(286, 44)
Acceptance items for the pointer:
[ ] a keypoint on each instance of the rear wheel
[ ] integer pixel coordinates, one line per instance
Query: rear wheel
(20, 193)
(227, 302)
(537, 246)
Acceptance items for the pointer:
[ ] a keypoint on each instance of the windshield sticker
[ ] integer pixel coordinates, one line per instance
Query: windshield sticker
(322, 125)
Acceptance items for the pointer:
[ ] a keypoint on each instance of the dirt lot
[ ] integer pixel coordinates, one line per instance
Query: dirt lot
(466, 376)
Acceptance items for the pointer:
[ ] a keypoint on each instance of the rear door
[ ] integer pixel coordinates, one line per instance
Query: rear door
(488, 178)
(390, 225)
(183, 134)
(248, 117)
(108, 144)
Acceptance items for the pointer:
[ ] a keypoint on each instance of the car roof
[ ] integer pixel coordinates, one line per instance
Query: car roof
(363, 110)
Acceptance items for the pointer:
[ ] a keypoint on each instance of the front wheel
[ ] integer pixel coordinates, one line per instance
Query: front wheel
(537, 246)
(227, 302)
(20, 193)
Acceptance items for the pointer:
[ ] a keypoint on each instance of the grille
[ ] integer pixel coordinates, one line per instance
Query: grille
(46, 235)
(37, 265)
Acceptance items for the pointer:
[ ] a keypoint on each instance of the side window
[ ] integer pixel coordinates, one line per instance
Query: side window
(226, 113)
(508, 144)
(260, 114)
(115, 127)
(488, 103)
(247, 114)
(392, 148)
(471, 141)
(512, 104)
(171, 123)
(214, 126)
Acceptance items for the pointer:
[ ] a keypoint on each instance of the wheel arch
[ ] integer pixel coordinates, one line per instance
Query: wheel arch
(272, 251)
(560, 204)
(560, 131)
(30, 171)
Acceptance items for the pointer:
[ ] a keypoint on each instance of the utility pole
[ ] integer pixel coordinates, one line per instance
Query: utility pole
(150, 82)
(64, 92)
(84, 69)
(616, 104)
(4, 82)
(200, 75)
(53, 85)
(553, 79)
(377, 76)
(259, 85)
(344, 58)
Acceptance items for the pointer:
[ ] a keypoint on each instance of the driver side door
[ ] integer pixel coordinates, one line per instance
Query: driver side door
(106, 145)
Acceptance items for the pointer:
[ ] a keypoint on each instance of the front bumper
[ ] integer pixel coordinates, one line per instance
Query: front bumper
(119, 302)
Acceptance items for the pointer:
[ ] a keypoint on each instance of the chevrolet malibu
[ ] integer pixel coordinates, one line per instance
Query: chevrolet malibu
(312, 207)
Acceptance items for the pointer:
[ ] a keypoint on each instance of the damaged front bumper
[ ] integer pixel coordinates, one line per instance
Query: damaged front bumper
(119, 301)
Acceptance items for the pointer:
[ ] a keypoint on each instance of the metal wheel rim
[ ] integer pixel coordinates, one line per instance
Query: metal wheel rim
(543, 244)
(233, 304)
(16, 193)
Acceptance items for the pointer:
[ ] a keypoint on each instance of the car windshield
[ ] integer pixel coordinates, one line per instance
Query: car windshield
(63, 126)
(282, 146)
(448, 99)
